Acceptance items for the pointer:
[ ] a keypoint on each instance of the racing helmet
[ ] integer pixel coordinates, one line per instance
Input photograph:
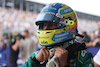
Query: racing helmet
(56, 14)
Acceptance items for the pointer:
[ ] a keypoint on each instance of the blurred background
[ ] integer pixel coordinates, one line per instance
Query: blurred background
(16, 16)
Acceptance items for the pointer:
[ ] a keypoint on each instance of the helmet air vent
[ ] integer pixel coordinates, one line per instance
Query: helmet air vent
(48, 32)
(38, 32)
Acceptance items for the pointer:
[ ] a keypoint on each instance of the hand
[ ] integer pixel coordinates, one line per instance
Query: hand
(43, 55)
(62, 55)
(18, 43)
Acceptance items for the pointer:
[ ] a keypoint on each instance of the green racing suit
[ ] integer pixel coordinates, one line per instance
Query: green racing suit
(78, 57)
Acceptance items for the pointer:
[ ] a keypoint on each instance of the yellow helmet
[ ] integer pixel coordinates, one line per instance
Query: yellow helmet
(64, 17)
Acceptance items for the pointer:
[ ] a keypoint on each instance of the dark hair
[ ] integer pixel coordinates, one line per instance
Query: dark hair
(26, 31)
(20, 36)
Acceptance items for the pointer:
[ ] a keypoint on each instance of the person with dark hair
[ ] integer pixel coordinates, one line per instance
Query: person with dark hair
(96, 39)
(86, 38)
(96, 42)
(57, 32)
(14, 50)
(27, 46)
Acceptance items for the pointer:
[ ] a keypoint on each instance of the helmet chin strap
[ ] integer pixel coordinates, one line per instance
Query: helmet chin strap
(74, 40)
(62, 44)
(53, 60)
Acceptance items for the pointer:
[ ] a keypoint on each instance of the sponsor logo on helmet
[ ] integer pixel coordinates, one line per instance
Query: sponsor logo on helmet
(44, 42)
(52, 8)
(67, 10)
(61, 36)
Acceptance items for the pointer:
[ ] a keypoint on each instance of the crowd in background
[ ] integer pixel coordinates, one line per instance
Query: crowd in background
(17, 32)
(17, 21)
(13, 45)
(92, 40)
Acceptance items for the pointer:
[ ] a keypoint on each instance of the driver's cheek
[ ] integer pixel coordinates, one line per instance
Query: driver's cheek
(46, 27)
(53, 27)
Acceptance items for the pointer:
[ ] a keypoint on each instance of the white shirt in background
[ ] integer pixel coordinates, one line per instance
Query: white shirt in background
(97, 58)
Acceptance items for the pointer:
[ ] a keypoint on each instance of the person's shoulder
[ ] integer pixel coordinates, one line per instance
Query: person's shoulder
(34, 53)
(31, 39)
(84, 55)
(21, 40)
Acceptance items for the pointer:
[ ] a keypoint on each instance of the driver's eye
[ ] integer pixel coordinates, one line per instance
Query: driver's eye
(50, 24)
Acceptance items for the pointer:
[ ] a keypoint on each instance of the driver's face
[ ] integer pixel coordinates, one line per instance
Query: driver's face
(49, 25)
